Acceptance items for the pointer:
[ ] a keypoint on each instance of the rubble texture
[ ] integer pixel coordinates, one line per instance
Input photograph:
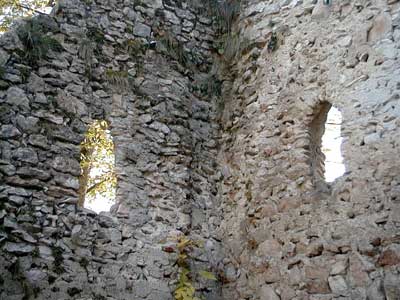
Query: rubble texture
(287, 234)
(239, 170)
(165, 148)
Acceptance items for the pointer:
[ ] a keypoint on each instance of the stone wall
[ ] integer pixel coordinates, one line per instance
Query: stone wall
(287, 235)
(239, 172)
(114, 64)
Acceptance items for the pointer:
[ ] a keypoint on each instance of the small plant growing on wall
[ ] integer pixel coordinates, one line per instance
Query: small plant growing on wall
(273, 42)
(86, 53)
(227, 11)
(36, 42)
(209, 86)
(134, 47)
(58, 260)
(117, 79)
(89, 47)
(228, 44)
(95, 35)
(174, 49)
(2, 71)
(185, 289)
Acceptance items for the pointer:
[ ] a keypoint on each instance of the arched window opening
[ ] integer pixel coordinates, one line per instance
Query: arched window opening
(331, 145)
(98, 180)
(325, 147)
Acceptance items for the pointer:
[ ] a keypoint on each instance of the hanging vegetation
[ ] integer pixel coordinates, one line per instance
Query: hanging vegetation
(37, 44)
(175, 49)
(185, 289)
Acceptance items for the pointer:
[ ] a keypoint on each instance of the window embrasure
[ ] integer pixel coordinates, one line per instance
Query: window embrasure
(325, 145)
(98, 180)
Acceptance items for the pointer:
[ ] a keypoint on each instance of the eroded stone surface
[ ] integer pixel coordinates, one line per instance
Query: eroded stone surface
(327, 242)
(165, 145)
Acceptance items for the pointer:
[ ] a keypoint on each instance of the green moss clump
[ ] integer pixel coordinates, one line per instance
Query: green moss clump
(119, 79)
(35, 252)
(174, 49)
(58, 260)
(96, 35)
(224, 13)
(84, 262)
(2, 71)
(273, 42)
(209, 86)
(135, 47)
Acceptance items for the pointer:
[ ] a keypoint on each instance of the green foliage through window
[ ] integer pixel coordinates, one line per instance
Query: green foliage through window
(13, 9)
(98, 180)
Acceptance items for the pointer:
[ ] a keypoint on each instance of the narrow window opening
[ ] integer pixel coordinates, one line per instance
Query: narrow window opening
(331, 145)
(325, 147)
(98, 180)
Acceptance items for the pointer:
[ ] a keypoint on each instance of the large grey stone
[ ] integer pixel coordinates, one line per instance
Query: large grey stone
(141, 30)
(67, 165)
(18, 248)
(391, 286)
(381, 27)
(268, 293)
(26, 155)
(9, 131)
(17, 97)
(338, 285)
(36, 83)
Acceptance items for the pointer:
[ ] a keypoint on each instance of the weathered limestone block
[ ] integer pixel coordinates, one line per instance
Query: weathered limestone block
(17, 97)
(382, 25)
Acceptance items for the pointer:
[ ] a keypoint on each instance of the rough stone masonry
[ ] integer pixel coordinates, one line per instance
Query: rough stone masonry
(238, 169)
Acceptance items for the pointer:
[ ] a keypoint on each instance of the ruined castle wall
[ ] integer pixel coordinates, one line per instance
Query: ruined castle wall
(165, 148)
(287, 234)
(251, 185)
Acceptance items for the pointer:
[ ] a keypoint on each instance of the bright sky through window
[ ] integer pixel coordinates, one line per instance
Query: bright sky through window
(98, 179)
(331, 146)
(11, 10)
(102, 200)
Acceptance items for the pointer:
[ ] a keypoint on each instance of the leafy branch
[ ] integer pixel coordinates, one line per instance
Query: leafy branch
(13, 9)
(98, 177)
(185, 289)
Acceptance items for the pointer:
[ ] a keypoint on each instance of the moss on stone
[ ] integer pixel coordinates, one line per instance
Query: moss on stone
(37, 43)
(174, 49)
(58, 260)
(118, 79)
(2, 71)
